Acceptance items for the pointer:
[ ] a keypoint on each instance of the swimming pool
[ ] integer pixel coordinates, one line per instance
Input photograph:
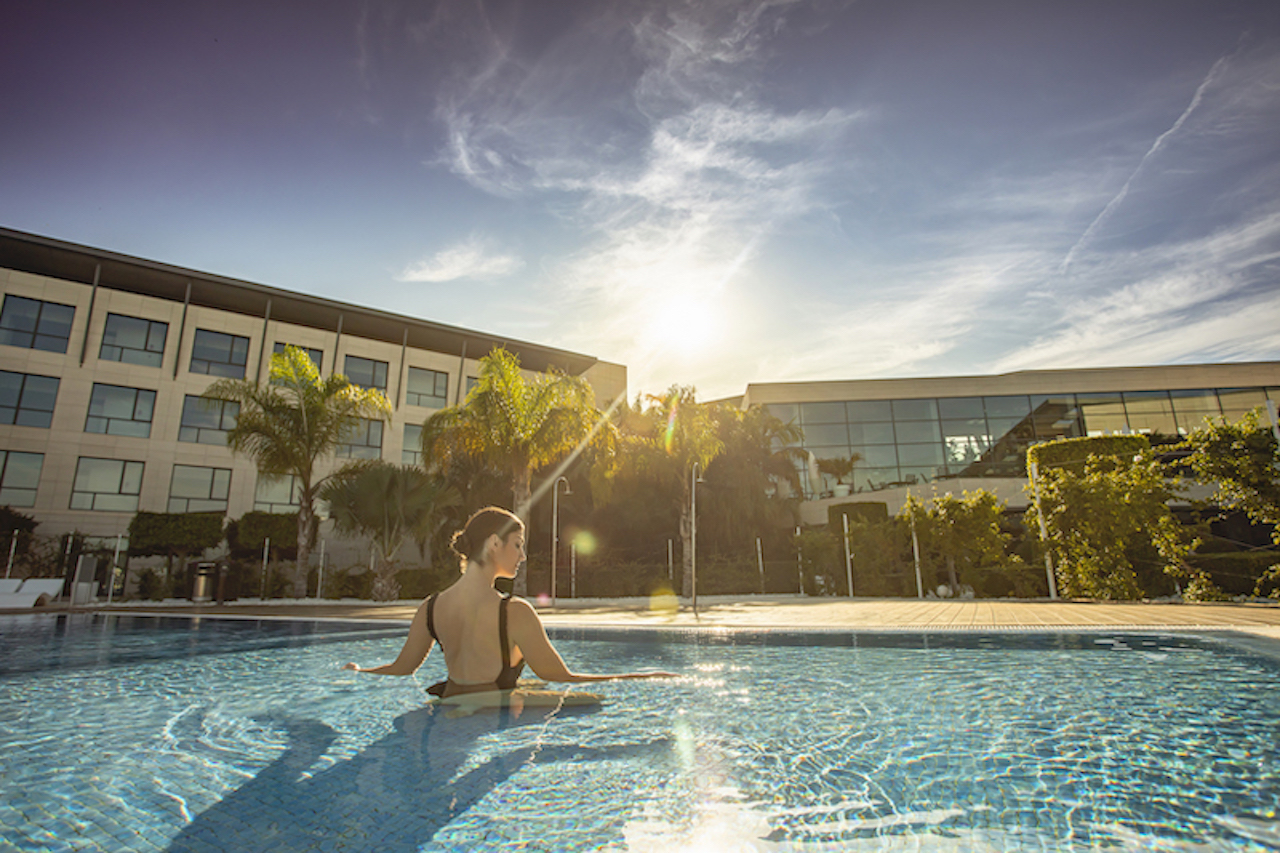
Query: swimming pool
(144, 733)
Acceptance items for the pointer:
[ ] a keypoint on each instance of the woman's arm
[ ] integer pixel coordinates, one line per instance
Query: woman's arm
(416, 648)
(531, 637)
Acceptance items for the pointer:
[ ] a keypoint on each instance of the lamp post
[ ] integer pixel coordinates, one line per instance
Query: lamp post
(694, 480)
(555, 530)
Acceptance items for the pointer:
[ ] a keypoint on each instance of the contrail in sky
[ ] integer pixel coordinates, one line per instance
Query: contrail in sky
(1155, 146)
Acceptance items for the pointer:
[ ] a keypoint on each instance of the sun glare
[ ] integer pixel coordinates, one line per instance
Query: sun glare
(682, 323)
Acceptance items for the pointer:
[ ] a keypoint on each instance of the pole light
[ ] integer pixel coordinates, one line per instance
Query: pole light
(694, 480)
(848, 556)
(555, 530)
(760, 563)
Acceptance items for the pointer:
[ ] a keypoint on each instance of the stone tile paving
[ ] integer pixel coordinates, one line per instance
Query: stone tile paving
(802, 612)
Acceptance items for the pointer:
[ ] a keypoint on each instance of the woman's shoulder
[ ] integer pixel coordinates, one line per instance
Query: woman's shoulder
(521, 611)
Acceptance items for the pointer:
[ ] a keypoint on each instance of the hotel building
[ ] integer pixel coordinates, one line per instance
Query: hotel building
(103, 358)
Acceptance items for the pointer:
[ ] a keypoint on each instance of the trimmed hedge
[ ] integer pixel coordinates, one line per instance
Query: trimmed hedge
(868, 511)
(1071, 453)
(246, 534)
(174, 533)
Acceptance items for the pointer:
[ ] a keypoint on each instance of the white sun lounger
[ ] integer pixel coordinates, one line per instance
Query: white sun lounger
(8, 586)
(33, 593)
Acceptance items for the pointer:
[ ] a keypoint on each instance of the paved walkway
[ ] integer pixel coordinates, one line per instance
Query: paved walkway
(802, 612)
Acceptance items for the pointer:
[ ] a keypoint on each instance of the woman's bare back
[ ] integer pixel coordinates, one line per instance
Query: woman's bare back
(466, 625)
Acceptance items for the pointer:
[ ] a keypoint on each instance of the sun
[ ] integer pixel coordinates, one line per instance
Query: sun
(681, 323)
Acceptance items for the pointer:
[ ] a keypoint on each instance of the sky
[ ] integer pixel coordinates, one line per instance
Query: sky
(712, 193)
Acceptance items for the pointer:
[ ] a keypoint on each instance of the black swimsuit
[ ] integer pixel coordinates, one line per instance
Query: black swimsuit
(506, 679)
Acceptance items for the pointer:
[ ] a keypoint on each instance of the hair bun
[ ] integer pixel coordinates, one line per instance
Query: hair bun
(469, 542)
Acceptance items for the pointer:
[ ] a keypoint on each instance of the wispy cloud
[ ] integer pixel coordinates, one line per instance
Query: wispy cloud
(1210, 298)
(674, 186)
(653, 138)
(1214, 73)
(470, 259)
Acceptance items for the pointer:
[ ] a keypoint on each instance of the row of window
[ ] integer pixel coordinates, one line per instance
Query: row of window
(29, 400)
(918, 440)
(37, 324)
(114, 485)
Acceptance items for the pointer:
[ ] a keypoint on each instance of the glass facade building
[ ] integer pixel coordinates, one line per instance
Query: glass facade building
(906, 441)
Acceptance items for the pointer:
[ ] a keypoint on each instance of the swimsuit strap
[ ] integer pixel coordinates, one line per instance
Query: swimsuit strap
(502, 632)
(431, 621)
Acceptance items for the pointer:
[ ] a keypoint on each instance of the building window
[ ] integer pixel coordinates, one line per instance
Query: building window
(19, 477)
(472, 382)
(114, 410)
(35, 324)
(196, 489)
(788, 413)
(822, 413)
(1103, 413)
(27, 400)
(109, 485)
(1235, 403)
(367, 373)
(133, 340)
(826, 435)
(317, 355)
(219, 354)
(1150, 412)
(1053, 417)
(914, 410)
(412, 452)
(1192, 407)
(278, 495)
(362, 441)
(206, 421)
(428, 388)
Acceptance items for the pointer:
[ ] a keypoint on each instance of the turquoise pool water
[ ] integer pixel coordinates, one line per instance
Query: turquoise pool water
(142, 733)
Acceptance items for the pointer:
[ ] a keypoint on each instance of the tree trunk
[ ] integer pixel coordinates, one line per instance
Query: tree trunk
(521, 489)
(299, 580)
(951, 574)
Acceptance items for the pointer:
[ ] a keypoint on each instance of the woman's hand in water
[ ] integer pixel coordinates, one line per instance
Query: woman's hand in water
(354, 666)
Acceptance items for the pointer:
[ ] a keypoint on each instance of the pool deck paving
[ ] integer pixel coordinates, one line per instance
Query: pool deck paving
(798, 612)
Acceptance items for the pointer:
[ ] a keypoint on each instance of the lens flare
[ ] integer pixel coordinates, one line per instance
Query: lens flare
(663, 603)
(585, 543)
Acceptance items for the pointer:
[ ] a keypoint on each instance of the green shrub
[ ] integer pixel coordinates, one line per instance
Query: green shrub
(416, 583)
(1238, 573)
(1017, 580)
(1072, 453)
(820, 556)
(354, 582)
(153, 587)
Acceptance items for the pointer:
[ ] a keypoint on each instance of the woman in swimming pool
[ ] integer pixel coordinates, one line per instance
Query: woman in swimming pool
(486, 637)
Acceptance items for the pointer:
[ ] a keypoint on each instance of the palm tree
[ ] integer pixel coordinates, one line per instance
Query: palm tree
(290, 424)
(389, 504)
(666, 439)
(518, 425)
(755, 480)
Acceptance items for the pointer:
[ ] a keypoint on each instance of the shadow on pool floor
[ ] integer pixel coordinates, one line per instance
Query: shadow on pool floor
(393, 796)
